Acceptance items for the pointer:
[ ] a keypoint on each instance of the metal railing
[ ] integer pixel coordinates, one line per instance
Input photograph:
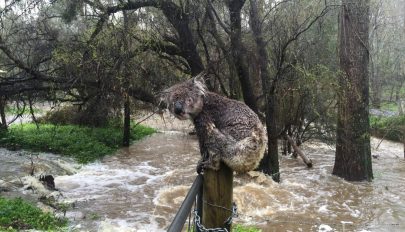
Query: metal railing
(194, 194)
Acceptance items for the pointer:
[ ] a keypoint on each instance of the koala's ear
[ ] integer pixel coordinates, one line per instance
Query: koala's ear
(200, 78)
(199, 83)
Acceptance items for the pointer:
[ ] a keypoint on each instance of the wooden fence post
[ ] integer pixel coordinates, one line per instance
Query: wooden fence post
(217, 197)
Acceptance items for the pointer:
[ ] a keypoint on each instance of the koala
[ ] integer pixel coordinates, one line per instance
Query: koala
(227, 129)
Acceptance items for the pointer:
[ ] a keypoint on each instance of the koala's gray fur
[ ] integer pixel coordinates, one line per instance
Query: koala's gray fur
(227, 130)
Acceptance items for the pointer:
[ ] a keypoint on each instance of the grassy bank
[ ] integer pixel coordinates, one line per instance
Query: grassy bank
(16, 215)
(83, 143)
(241, 228)
(12, 110)
(391, 128)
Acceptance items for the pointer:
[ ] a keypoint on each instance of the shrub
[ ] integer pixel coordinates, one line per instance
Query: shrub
(16, 214)
(391, 128)
(63, 116)
(85, 144)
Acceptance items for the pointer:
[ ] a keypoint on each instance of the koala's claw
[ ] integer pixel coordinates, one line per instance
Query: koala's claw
(202, 165)
(200, 169)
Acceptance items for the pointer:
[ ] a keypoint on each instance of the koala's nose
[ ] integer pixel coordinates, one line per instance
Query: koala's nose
(178, 108)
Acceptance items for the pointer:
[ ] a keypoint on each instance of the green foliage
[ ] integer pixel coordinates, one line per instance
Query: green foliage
(16, 214)
(391, 106)
(62, 116)
(241, 228)
(13, 110)
(71, 11)
(307, 102)
(94, 216)
(85, 144)
(391, 128)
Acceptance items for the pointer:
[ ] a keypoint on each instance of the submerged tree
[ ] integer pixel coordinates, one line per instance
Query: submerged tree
(353, 155)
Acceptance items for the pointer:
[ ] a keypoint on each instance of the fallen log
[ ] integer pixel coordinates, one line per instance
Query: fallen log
(306, 160)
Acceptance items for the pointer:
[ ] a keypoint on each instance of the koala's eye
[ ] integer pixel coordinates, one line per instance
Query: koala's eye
(189, 100)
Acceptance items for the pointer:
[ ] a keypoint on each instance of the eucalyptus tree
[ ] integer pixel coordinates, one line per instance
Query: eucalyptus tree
(353, 153)
(276, 27)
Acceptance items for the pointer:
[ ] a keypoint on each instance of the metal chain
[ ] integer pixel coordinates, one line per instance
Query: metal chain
(202, 228)
(233, 215)
(228, 221)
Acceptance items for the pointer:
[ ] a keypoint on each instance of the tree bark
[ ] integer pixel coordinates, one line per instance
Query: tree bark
(127, 123)
(239, 53)
(3, 123)
(270, 163)
(233, 81)
(304, 158)
(178, 17)
(272, 136)
(126, 83)
(181, 22)
(353, 154)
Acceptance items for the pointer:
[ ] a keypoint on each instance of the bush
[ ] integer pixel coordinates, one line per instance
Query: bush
(64, 116)
(16, 214)
(391, 128)
(96, 114)
(85, 144)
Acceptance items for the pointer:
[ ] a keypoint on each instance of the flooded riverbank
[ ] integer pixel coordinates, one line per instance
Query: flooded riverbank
(141, 187)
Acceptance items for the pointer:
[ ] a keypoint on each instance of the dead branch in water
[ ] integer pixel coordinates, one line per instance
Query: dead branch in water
(306, 160)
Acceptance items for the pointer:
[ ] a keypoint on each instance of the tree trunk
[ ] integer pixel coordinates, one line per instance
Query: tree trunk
(239, 53)
(375, 74)
(126, 83)
(127, 123)
(270, 164)
(181, 22)
(233, 81)
(272, 136)
(353, 155)
(3, 123)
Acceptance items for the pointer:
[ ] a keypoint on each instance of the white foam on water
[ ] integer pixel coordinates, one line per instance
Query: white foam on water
(70, 169)
(114, 225)
(325, 228)
(353, 212)
(171, 195)
(35, 184)
(323, 209)
(96, 179)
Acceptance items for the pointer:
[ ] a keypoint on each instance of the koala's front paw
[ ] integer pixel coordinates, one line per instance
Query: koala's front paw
(201, 166)
(213, 164)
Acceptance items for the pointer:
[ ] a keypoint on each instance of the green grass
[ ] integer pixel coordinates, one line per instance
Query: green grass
(241, 228)
(12, 110)
(16, 215)
(391, 106)
(85, 144)
(391, 128)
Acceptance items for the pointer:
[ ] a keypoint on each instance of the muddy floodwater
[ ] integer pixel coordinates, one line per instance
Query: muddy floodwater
(141, 188)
